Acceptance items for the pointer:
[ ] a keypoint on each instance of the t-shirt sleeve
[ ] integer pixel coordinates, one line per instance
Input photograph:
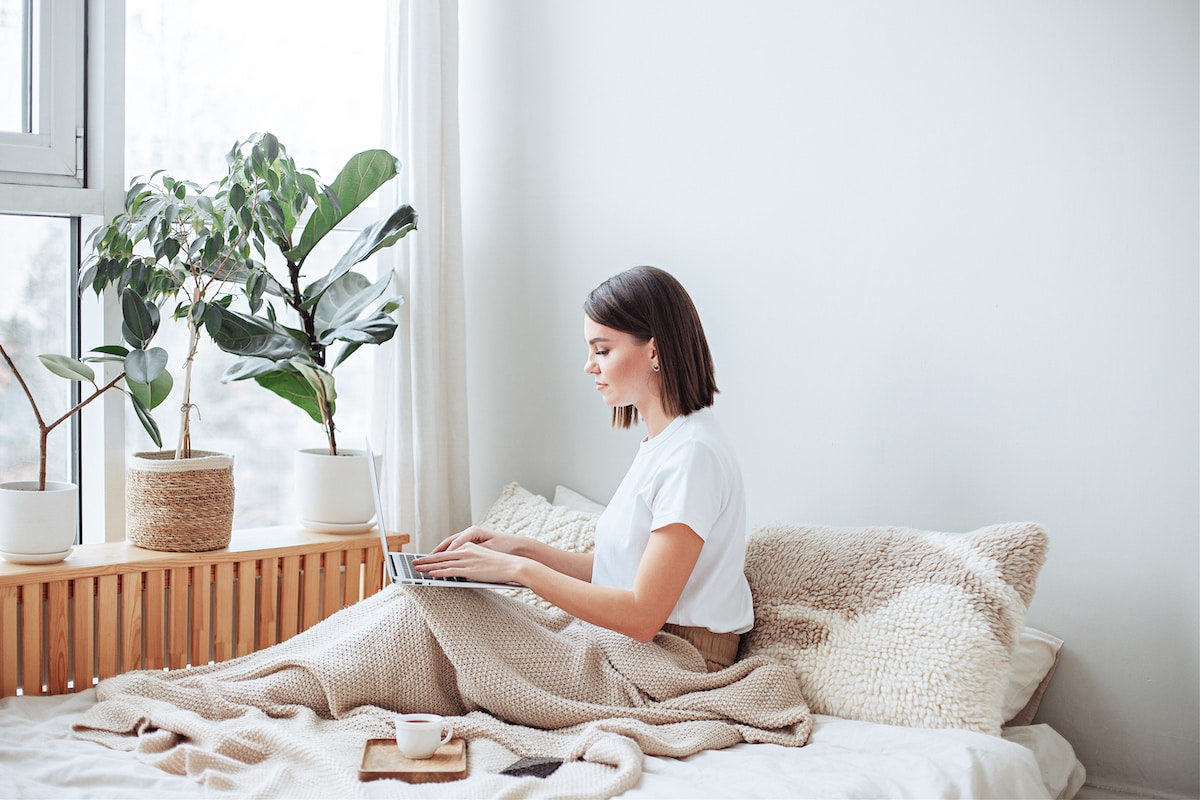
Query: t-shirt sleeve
(690, 488)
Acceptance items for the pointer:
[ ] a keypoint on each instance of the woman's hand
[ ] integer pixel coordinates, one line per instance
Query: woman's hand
(492, 540)
(471, 558)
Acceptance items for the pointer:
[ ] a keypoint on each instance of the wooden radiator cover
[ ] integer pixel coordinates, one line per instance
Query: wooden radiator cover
(110, 608)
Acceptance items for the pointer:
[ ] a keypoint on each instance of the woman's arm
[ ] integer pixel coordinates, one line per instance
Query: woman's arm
(665, 567)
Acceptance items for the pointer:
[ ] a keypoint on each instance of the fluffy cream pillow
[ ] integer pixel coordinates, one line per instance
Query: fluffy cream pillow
(894, 625)
(521, 512)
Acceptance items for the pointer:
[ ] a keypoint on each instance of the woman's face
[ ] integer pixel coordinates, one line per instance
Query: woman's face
(621, 365)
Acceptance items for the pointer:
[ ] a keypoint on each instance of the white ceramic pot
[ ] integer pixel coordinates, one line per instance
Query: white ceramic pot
(38, 527)
(333, 493)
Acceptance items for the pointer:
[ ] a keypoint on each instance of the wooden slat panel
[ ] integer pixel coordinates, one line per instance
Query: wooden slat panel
(268, 602)
(131, 622)
(247, 585)
(202, 615)
(152, 608)
(178, 633)
(352, 578)
(57, 608)
(31, 638)
(289, 598)
(10, 645)
(223, 615)
(83, 633)
(331, 585)
(154, 619)
(311, 594)
(108, 627)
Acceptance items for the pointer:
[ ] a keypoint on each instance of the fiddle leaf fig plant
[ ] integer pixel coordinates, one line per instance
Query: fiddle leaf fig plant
(174, 241)
(285, 208)
(146, 381)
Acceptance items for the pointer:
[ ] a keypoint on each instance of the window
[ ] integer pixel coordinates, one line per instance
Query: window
(316, 82)
(42, 203)
(194, 83)
(41, 108)
(35, 318)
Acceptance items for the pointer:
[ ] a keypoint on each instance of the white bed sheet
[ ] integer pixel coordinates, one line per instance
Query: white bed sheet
(845, 759)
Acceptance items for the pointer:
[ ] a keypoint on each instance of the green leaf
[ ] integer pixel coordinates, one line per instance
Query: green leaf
(291, 386)
(143, 415)
(375, 329)
(111, 350)
(140, 319)
(153, 393)
(245, 335)
(237, 196)
(344, 300)
(346, 351)
(143, 366)
(248, 367)
(373, 238)
(358, 180)
(69, 368)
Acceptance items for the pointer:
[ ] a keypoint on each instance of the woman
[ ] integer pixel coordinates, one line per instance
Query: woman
(670, 546)
(669, 556)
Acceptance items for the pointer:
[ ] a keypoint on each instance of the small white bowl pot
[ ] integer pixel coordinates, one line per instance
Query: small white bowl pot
(38, 527)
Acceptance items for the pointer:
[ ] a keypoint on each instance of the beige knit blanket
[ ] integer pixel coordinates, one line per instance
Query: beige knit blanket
(292, 720)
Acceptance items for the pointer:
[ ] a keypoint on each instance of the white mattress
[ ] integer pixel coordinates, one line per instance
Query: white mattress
(40, 759)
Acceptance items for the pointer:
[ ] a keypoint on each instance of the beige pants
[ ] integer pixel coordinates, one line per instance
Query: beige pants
(719, 649)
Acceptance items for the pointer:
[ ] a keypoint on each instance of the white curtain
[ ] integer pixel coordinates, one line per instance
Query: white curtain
(420, 420)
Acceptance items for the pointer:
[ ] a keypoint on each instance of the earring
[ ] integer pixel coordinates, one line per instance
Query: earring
(654, 366)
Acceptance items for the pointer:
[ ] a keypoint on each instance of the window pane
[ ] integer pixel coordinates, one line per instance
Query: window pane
(14, 21)
(34, 319)
(316, 83)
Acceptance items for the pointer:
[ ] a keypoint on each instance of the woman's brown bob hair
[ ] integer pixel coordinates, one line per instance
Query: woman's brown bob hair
(649, 303)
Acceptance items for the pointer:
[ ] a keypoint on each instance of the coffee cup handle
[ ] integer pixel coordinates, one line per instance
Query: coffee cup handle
(449, 733)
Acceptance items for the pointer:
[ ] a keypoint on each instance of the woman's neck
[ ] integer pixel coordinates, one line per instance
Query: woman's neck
(656, 418)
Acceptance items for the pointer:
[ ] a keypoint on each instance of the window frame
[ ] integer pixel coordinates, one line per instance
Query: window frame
(51, 154)
(93, 56)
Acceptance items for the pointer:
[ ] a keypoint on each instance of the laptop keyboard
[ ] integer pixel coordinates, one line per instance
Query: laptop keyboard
(405, 569)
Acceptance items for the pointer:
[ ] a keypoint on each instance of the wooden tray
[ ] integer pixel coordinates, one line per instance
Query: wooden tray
(382, 759)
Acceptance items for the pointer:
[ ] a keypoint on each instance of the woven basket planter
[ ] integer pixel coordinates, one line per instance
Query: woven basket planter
(179, 505)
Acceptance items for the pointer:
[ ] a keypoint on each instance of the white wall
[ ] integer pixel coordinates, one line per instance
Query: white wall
(946, 254)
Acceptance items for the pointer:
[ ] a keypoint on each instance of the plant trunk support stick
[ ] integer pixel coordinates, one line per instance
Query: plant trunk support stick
(183, 449)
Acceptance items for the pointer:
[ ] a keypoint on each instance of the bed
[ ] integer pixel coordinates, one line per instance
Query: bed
(945, 712)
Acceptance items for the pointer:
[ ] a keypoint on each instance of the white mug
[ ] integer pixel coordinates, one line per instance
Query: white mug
(420, 735)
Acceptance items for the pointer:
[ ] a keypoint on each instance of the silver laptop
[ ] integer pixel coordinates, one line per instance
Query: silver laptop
(399, 565)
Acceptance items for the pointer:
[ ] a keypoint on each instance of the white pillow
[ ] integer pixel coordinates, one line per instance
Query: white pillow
(575, 501)
(1033, 660)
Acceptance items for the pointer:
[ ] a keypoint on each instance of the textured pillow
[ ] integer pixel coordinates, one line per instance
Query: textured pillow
(564, 496)
(521, 512)
(1033, 662)
(894, 625)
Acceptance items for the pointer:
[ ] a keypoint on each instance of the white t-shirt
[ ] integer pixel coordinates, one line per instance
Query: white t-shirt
(688, 474)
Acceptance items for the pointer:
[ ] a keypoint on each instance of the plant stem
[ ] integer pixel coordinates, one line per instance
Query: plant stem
(43, 428)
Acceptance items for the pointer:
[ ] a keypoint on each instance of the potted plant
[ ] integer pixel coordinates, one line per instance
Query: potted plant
(325, 318)
(176, 241)
(39, 519)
